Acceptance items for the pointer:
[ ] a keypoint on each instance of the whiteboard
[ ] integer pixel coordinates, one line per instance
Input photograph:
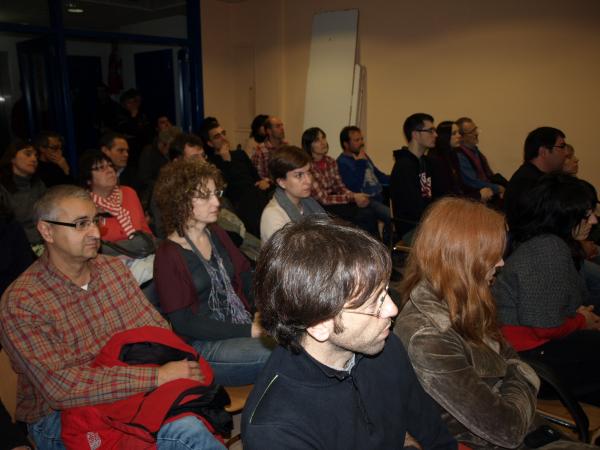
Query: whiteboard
(331, 69)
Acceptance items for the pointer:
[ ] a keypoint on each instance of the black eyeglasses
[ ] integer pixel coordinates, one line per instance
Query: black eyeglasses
(561, 146)
(81, 224)
(426, 130)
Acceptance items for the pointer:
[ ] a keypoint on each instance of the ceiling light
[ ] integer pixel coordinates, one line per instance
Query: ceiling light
(73, 7)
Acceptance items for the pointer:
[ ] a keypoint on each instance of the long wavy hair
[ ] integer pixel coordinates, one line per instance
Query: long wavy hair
(456, 245)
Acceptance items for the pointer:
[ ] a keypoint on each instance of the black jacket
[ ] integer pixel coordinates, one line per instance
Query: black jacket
(298, 403)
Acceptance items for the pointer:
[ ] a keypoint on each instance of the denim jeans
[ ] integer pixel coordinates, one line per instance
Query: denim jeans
(235, 361)
(187, 433)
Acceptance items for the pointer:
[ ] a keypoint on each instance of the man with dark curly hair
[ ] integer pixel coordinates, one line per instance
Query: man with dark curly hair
(338, 380)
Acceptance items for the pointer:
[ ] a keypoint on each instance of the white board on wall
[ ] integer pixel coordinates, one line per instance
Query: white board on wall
(330, 81)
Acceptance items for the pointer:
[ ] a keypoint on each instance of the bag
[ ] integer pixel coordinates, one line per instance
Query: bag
(139, 245)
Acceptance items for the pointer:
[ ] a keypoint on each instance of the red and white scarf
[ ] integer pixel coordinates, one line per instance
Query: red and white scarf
(114, 205)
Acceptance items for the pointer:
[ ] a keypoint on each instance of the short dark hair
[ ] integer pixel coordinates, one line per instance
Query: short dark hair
(89, 159)
(555, 205)
(308, 137)
(108, 139)
(414, 122)
(308, 270)
(257, 122)
(540, 137)
(209, 123)
(345, 134)
(6, 170)
(178, 144)
(461, 122)
(41, 139)
(286, 159)
(129, 94)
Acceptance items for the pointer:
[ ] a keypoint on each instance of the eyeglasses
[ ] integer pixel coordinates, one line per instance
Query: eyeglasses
(206, 195)
(81, 224)
(561, 146)
(377, 313)
(426, 130)
(473, 131)
(103, 167)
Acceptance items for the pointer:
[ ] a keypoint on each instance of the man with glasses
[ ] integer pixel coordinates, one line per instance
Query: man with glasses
(116, 147)
(410, 181)
(474, 168)
(53, 168)
(338, 379)
(56, 317)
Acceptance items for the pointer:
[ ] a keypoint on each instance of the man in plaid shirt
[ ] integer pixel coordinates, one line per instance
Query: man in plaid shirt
(274, 141)
(61, 311)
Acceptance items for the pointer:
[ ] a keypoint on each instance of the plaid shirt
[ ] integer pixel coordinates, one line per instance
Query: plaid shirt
(53, 329)
(262, 156)
(328, 187)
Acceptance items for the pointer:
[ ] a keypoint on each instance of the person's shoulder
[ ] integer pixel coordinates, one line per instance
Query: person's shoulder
(25, 289)
(127, 191)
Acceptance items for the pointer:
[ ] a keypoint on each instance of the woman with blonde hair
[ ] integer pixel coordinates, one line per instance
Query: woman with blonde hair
(448, 326)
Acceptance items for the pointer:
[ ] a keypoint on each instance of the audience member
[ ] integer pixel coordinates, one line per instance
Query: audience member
(541, 294)
(115, 146)
(544, 152)
(98, 174)
(571, 162)
(53, 168)
(410, 181)
(257, 134)
(153, 158)
(359, 174)
(134, 124)
(20, 187)
(163, 123)
(445, 168)
(274, 140)
(336, 381)
(245, 189)
(57, 316)
(186, 146)
(202, 279)
(328, 188)
(290, 171)
(474, 167)
(449, 328)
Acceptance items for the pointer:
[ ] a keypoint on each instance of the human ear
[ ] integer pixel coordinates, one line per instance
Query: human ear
(322, 330)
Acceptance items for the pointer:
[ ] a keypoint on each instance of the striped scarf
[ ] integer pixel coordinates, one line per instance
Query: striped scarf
(114, 205)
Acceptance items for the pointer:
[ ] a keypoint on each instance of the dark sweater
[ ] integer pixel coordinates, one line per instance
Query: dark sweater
(408, 199)
(298, 403)
(519, 185)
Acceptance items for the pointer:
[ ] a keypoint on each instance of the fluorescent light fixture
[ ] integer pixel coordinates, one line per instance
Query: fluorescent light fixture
(73, 7)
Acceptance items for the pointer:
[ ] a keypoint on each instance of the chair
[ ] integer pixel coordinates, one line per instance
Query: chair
(566, 411)
(238, 396)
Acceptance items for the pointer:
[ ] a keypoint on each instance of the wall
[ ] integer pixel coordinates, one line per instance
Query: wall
(510, 65)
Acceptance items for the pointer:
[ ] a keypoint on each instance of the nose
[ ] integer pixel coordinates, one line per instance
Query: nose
(94, 231)
(593, 219)
(389, 308)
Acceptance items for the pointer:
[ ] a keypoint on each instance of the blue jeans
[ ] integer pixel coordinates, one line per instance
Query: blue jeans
(187, 433)
(235, 361)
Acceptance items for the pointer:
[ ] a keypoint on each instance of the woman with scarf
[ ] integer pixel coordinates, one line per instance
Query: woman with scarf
(290, 171)
(202, 280)
(121, 203)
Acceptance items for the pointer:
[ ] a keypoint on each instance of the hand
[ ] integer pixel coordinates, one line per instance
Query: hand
(590, 248)
(411, 442)
(60, 161)
(361, 154)
(224, 151)
(256, 330)
(180, 369)
(361, 200)
(501, 189)
(592, 321)
(263, 184)
(486, 194)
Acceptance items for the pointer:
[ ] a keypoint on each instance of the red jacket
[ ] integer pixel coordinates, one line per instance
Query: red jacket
(133, 423)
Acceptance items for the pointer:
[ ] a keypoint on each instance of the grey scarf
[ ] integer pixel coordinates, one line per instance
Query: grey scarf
(222, 300)
(309, 206)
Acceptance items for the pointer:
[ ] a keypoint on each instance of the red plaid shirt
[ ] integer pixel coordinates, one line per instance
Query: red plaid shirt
(262, 156)
(52, 329)
(327, 186)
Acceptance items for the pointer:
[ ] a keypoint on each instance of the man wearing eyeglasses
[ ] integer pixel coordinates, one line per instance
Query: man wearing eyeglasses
(53, 168)
(338, 379)
(410, 181)
(61, 311)
(474, 168)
